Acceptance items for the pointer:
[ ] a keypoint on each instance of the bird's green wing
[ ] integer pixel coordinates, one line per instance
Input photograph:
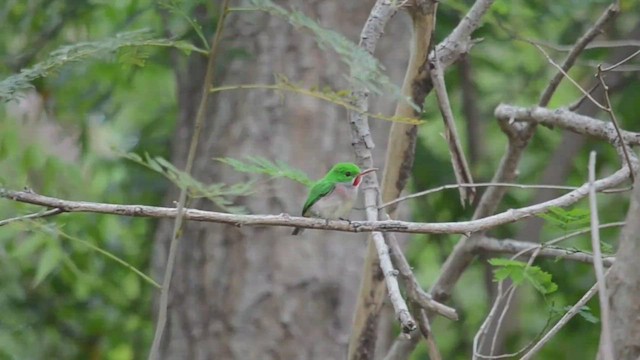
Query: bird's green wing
(318, 191)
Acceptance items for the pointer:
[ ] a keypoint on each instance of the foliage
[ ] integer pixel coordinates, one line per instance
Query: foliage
(133, 41)
(567, 219)
(110, 86)
(366, 70)
(341, 98)
(260, 165)
(519, 271)
(218, 193)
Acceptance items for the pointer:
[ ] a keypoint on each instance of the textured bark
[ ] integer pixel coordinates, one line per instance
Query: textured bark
(258, 293)
(624, 286)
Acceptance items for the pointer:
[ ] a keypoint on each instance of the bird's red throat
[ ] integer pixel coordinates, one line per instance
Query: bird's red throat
(357, 180)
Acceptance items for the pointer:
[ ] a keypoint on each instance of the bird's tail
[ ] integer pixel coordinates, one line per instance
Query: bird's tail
(297, 231)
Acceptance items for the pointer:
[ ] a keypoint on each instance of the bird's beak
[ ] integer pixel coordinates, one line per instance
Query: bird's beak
(364, 172)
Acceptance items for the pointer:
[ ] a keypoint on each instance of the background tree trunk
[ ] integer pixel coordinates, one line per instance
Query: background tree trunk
(259, 293)
(623, 286)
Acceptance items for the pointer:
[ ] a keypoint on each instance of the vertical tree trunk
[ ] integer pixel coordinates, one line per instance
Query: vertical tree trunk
(623, 285)
(259, 293)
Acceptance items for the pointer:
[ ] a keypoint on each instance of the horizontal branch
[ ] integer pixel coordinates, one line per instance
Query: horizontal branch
(566, 119)
(508, 246)
(461, 227)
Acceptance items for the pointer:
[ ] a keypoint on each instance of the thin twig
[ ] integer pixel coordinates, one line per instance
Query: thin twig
(577, 49)
(37, 215)
(564, 73)
(508, 303)
(175, 238)
(458, 160)
(487, 321)
(509, 296)
(614, 121)
(100, 250)
(425, 330)
(593, 45)
(455, 186)
(519, 248)
(606, 344)
(494, 308)
(575, 309)
(328, 97)
(576, 105)
(621, 61)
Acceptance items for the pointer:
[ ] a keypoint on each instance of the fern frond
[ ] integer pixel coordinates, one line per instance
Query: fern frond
(11, 86)
(260, 165)
(340, 97)
(218, 193)
(366, 70)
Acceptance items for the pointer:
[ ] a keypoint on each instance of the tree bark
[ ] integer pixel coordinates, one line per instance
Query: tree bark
(623, 285)
(259, 293)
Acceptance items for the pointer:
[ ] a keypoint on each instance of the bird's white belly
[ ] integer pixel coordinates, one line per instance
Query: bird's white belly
(337, 204)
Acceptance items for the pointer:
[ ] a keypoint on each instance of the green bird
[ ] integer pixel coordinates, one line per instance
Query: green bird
(333, 196)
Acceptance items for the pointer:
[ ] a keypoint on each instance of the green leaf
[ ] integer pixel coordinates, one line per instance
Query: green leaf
(49, 261)
(14, 84)
(566, 219)
(585, 313)
(365, 69)
(518, 271)
(606, 248)
(28, 246)
(260, 165)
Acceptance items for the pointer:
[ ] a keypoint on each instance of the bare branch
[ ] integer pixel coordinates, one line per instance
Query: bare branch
(399, 305)
(37, 215)
(455, 186)
(363, 335)
(458, 160)
(565, 119)
(508, 246)
(614, 121)
(606, 346)
(621, 62)
(459, 41)
(562, 73)
(578, 103)
(425, 330)
(592, 45)
(519, 138)
(414, 291)
(611, 11)
(461, 227)
(575, 309)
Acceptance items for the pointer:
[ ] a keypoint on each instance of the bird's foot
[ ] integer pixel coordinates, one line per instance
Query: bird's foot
(345, 219)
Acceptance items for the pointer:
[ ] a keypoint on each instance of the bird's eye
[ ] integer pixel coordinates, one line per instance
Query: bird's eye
(348, 173)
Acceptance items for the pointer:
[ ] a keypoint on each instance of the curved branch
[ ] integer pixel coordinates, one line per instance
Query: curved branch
(462, 227)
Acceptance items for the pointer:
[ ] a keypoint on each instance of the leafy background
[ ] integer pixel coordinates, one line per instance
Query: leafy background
(109, 94)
